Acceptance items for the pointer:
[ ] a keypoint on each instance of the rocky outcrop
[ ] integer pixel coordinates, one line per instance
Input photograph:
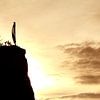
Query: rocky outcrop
(14, 81)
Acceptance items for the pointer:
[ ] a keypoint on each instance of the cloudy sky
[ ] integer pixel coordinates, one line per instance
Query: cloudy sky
(61, 38)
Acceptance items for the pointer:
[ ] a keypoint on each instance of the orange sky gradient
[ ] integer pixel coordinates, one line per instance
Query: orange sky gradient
(46, 29)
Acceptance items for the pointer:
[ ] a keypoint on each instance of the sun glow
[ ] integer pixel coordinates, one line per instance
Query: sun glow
(39, 80)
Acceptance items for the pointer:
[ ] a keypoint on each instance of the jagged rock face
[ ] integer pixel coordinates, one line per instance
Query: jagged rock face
(14, 80)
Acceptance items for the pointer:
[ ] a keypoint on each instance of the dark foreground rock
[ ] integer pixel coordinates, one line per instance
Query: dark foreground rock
(14, 80)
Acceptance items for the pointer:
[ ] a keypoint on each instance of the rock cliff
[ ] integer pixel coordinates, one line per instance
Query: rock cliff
(14, 81)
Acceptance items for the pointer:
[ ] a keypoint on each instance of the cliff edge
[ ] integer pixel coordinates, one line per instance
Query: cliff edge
(14, 82)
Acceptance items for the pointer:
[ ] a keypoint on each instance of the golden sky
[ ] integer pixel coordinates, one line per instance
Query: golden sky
(54, 33)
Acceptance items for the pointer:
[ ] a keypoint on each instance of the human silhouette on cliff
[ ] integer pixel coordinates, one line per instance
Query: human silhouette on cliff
(14, 80)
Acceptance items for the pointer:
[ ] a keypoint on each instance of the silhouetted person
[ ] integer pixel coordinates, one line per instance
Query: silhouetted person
(14, 80)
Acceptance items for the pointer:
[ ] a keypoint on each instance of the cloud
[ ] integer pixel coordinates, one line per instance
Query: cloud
(83, 51)
(89, 79)
(84, 60)
(83, 95)
(80, 95)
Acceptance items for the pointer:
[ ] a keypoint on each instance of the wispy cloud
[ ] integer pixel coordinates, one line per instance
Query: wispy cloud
(89, 79)
(84, 95)
(80, 95)
(84, 60)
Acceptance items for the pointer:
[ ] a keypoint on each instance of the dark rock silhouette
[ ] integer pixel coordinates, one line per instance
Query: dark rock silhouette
(14, 81)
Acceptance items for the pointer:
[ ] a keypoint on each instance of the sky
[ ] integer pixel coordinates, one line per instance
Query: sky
(61, 38)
